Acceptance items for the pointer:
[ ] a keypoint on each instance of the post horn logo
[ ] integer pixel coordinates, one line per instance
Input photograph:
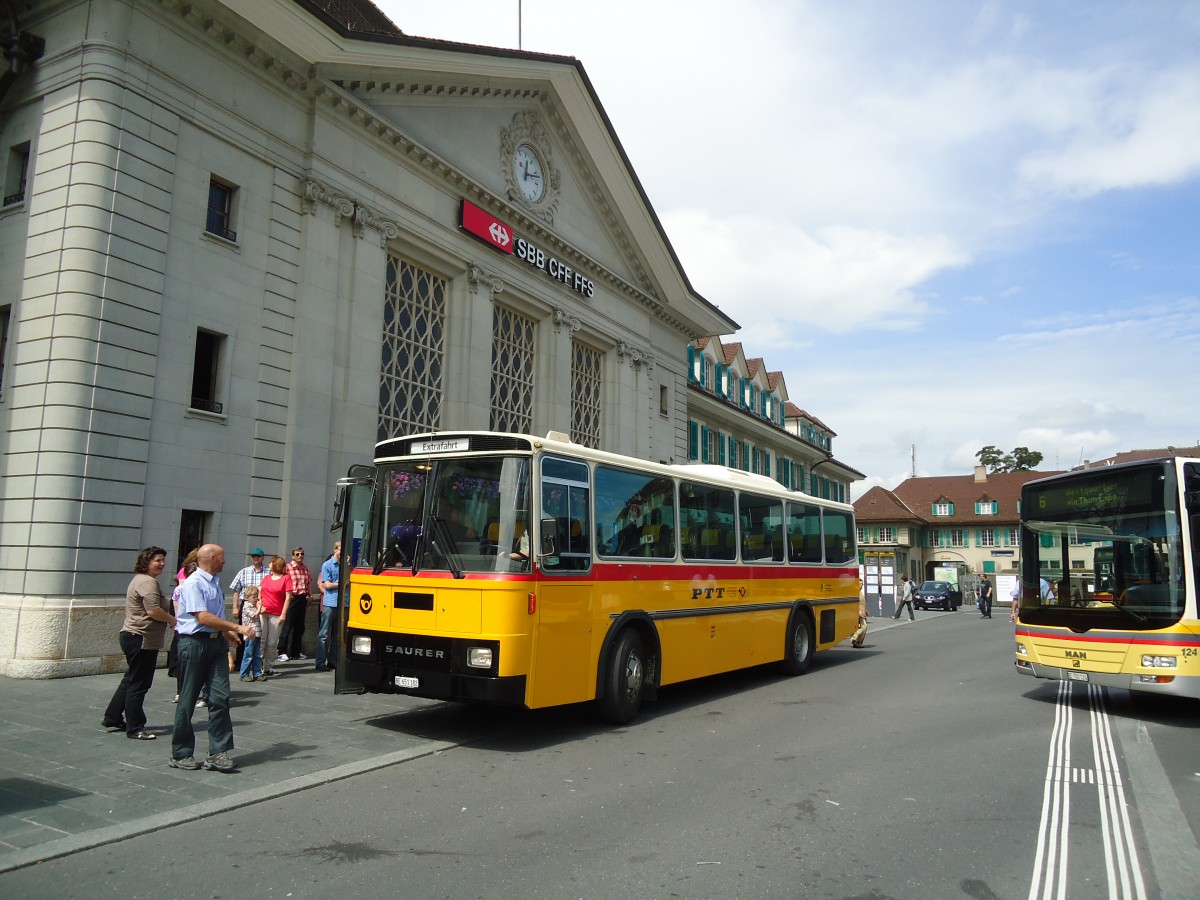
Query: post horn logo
(364, 603)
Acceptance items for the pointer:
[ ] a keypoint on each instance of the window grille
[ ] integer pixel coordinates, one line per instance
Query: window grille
(512, 371)
(414, 347)
(585, 394)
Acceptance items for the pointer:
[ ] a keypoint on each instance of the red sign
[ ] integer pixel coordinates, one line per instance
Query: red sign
(487, 227)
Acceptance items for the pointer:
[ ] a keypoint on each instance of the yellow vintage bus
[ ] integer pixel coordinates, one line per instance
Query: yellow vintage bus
(1109, 560)
(509, 568)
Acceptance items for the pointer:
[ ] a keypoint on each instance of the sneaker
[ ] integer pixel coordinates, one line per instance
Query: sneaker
(201, 703)
(220, 763)
(299, 656)
(247, 678)
(282, 657)
(188, 762)
(175, 699)
(270, 673)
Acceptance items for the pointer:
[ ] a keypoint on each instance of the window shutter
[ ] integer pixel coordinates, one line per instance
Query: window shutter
(720, 448)
(691, 363)
(693, 440)
(704, 440)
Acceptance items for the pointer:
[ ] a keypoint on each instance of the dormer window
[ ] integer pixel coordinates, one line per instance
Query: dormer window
(943, 508)
(986, 507)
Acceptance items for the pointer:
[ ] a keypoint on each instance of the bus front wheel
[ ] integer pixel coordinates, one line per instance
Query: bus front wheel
(798, 653)
(625, 680)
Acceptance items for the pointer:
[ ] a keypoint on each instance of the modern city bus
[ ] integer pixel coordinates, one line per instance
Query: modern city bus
(1109, 562)
(513, 569)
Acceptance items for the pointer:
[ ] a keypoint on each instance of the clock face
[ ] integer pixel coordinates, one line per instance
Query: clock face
(527, 171)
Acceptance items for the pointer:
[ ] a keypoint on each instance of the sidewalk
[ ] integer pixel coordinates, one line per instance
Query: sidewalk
(66, 784)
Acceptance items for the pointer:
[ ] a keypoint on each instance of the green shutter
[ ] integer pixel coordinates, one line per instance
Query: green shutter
(693, 438)
(704, 433)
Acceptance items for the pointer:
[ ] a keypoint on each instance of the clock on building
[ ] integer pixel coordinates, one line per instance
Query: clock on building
(529, 173)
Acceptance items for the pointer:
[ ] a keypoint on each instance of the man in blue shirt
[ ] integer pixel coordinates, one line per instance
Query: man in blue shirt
(204, 638)
(330, 578)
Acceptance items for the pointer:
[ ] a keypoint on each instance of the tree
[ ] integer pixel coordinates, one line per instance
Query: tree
(1021, 459)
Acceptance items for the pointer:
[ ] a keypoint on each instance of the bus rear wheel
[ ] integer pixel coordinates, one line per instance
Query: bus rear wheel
(798, 653)
(625, 680)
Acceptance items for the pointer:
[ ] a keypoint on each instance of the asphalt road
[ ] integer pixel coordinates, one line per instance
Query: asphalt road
(921, 766)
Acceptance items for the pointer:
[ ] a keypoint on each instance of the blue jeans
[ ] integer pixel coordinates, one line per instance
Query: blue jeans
(326, 655)
(252, 663)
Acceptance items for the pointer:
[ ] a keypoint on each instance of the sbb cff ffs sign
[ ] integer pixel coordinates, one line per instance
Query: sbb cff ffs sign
(499, 235)
(486, 227)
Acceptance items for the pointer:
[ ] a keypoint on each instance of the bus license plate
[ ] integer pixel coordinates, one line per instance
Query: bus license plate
(407, 681)
(1073, 676)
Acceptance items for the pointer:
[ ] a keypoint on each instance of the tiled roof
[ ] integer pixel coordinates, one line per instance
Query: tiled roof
(920, 494)
(773, 379)
(360, 16)
(731, 351)
(881, 505)
(753, 365)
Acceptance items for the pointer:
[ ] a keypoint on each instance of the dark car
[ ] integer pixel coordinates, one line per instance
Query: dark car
(937, 595)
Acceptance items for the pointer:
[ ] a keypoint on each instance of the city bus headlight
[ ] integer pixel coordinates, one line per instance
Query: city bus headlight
(1159, 662)
(479, 657)
(361, 644)
(1021, 649)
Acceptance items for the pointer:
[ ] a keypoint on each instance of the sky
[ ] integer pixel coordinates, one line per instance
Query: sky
(950, 224)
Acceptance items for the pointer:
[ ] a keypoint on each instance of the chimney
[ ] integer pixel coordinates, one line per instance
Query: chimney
(980, 474)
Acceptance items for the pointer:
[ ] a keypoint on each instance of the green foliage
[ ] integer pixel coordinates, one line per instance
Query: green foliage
(1021, 459)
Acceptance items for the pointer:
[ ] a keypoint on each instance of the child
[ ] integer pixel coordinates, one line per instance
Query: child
(252, 661)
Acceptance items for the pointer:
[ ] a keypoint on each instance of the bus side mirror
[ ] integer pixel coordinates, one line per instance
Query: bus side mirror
(549, 532)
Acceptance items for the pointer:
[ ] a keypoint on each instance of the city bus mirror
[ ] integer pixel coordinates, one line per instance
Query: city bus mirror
(549, 538)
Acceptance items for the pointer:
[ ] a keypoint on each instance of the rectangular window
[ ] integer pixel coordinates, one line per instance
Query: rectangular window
(761, 522)
(5, 316)
(220, 210)
(715, 439)
(635, 514)
(886, 534)
(862, 534)
(16, 174)
(206, 371)
(1014, 537)
(663, 397)
(942, 509)
(986, 507)
(987, 538)
(804, 533)
(839, 537)
(706, 522)
(958, 537)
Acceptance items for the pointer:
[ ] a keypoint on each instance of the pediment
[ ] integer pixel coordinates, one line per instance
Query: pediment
(479, 129)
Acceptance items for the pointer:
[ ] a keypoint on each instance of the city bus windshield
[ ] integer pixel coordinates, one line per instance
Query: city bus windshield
(461, 515)
(1103, 550)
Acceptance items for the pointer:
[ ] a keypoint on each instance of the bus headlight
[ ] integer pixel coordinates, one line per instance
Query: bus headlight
(1159, 662)
(361, 644)
(479, 657)
(1021, 649)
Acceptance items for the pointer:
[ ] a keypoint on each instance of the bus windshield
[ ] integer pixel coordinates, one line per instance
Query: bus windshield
(461, 515)
(1103, 551)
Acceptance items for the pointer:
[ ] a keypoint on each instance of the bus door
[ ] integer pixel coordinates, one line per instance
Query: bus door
(562, 668)
(350, 512)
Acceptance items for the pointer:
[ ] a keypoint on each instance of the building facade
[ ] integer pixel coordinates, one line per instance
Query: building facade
(965, 523)
(241, 242)
(739, 415)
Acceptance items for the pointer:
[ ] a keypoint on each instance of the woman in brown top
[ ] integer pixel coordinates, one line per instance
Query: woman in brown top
(147, 615)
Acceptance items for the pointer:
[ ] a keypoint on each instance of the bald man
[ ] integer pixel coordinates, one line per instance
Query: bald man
(204, 638)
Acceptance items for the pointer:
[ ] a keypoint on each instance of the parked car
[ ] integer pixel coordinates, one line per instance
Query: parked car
(938, 595)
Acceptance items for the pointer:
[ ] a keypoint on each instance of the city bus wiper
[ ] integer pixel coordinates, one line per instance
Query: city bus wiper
(444, 541)
(1129, 612)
